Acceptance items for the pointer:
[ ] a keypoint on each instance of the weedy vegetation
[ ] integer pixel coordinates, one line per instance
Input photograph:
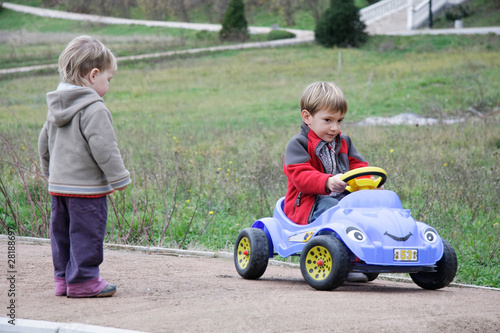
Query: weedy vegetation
(204, 138)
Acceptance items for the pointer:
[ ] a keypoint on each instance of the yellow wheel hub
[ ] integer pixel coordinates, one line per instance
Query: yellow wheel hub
(243, 252)
(319, 263)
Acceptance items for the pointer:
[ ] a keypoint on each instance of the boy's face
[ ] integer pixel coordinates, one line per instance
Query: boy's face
(325, 123)
(99, 80)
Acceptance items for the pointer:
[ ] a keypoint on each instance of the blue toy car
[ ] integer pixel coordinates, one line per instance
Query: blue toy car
(368, 232)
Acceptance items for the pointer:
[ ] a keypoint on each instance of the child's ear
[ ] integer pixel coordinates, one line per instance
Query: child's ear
(92, 75)
(306, 117)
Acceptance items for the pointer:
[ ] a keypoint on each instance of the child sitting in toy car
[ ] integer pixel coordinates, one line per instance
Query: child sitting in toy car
(317, 156)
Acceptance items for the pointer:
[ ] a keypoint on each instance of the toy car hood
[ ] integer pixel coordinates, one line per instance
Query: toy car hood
(371, 223)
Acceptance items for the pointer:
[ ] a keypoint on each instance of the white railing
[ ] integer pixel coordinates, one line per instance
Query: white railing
(382, 9)
(418, 12)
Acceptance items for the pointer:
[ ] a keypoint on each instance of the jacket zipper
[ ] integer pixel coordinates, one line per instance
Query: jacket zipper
(297, 203)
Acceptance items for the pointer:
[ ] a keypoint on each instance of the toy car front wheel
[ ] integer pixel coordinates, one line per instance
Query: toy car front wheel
(251, 253)
(324, 262)
(445, 271)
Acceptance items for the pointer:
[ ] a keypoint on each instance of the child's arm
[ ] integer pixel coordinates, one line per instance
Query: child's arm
(98, 130)
(43, 150)
(299, 170)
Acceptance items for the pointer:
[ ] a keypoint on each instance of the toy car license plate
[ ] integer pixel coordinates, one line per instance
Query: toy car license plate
(405, 255)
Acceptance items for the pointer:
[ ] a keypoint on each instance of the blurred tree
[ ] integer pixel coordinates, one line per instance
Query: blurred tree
(317, 7)
(208, 9)
(234, 25)
(119, 8)
(340, 25)
(50, 3)
(154, 9)
(287, 9)
(251, 6)
(219, 7)
(79, 6)
(180, 9)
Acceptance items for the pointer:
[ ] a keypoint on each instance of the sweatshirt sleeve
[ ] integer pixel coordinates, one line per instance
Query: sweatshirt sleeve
(301, 172)
(98, 131)
(43, 150)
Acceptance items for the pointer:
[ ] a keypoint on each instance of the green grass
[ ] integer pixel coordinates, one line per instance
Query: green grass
(429, 81)
(205, 137)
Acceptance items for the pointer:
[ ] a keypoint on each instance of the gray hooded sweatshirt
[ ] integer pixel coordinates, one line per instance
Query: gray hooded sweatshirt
(78, 147)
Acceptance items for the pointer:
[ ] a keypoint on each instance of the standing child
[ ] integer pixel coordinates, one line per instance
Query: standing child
(317, 157)
(79, 155)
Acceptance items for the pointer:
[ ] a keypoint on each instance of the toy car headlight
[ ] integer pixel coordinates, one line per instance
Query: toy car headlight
(355, 234)
(430, 235)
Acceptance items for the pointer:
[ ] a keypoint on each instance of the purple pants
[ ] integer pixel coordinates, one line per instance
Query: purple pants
(77, 228)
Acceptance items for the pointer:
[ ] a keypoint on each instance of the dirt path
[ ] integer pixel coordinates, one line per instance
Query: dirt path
(160, 293)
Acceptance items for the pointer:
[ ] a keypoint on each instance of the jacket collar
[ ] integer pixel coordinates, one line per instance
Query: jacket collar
(315, 140)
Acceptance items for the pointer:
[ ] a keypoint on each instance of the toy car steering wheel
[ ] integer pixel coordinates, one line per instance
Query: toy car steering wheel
(355, 184)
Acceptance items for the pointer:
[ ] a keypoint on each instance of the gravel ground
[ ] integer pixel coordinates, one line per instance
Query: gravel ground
(174, 293)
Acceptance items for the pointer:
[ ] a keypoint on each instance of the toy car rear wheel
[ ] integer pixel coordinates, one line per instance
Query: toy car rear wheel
(251, 253)
(371, 276)
(324, 262)
(445, 271)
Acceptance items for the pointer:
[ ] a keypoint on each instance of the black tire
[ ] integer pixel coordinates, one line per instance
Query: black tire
(252, 263)
(332, 271)
(445, 271)
(371, 276)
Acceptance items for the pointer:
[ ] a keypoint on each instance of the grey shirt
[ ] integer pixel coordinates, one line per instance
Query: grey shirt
(77, 145)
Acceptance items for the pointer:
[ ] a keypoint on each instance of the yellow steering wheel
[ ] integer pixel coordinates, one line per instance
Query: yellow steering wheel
(355, 184)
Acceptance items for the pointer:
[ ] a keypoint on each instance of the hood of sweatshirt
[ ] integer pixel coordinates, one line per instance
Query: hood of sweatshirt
(64, 104)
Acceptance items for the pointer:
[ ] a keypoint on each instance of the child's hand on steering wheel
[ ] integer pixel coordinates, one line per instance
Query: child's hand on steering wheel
(335, 184)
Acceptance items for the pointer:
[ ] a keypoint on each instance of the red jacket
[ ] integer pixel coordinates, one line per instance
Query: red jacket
(306, 175)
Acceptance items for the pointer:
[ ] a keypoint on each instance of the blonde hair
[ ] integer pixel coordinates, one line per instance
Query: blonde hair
(323, 95)
(83, 54)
